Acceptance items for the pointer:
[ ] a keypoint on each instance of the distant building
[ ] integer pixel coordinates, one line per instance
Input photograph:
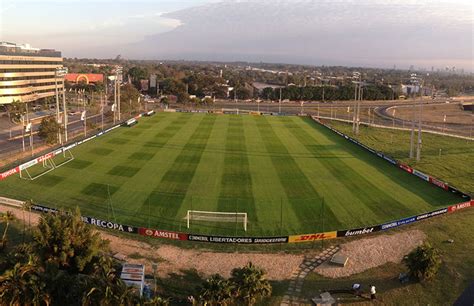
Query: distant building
(86, 78)
(28, 74)
(409, 90)
(261, 86)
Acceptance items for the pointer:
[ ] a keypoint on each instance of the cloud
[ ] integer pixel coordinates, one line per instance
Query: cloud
(369, 32)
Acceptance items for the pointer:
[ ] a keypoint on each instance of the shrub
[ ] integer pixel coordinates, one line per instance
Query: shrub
(423, 262)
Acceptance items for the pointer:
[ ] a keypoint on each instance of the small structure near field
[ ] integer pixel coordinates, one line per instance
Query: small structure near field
(324, 299)
(339, 260)
(134, 275)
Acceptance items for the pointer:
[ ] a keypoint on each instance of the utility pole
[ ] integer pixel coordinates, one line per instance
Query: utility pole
(279, 103)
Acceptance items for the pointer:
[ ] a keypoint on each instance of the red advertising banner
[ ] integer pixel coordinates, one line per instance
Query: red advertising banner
(438, 183)
(9, 172)
(459, 206)
(162, 234)
(406, 168)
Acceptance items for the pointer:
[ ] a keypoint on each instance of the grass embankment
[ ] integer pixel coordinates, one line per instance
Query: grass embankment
(447, 158)
(455, 165)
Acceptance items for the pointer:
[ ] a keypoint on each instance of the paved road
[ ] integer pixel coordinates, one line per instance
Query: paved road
(12, 141)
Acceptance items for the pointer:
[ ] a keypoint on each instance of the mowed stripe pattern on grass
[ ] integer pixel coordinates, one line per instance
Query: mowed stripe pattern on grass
(277, 169)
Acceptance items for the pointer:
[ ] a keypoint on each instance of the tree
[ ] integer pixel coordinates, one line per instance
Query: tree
(250, 284)
(423, 262)
(66, 242)
(267, 93)
(129, 99)
(243, 93)
(137, 74)
(16, 110)
(6, 218)
(106, 287)
(49, 130)
(216, 291)
(22, 285)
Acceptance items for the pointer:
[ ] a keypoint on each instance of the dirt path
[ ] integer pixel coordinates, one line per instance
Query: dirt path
(171, 259)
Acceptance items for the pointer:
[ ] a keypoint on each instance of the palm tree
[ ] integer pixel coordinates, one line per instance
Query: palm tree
(106, 288)
(250, 283)
(22, 285)
(216, 291)
(7, 218)
(157, 301)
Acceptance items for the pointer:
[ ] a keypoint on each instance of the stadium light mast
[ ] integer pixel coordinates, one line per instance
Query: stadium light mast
(118, 78)
(57, 100)
(61, 72)
(413, 80)
(356, 78)
(420, 120)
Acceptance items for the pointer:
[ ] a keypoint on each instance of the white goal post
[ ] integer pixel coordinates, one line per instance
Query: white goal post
(216, 216)
(47, 164)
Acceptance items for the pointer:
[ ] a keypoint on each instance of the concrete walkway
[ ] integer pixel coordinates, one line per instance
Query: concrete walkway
(293, 294)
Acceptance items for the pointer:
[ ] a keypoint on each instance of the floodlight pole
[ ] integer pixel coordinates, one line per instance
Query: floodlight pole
(23, 132)
(85, 115)
(57, 102)
(64, 71)
(412, 136)
(418, 147)
(31, 128)
(118, 98)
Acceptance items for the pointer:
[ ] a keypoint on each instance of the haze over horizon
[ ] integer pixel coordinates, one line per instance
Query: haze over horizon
(371, 33)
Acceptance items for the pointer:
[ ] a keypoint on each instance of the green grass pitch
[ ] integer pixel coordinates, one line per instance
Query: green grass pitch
(279, 170)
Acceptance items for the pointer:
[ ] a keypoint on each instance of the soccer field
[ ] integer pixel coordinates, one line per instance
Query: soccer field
(290, 175)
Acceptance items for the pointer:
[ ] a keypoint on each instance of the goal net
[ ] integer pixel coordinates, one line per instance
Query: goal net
(42, 165)
(215, 216)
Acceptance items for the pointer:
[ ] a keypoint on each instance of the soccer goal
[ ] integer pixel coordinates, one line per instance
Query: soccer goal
(42, 165)
(215, 216)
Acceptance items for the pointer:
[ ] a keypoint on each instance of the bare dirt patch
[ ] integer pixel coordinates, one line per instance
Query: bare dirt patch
(372, 252)
(172, 259)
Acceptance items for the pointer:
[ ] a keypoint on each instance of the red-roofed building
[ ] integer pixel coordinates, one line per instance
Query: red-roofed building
(86, 78)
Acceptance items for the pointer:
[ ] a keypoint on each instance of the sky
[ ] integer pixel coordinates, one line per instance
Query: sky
(371, 33)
